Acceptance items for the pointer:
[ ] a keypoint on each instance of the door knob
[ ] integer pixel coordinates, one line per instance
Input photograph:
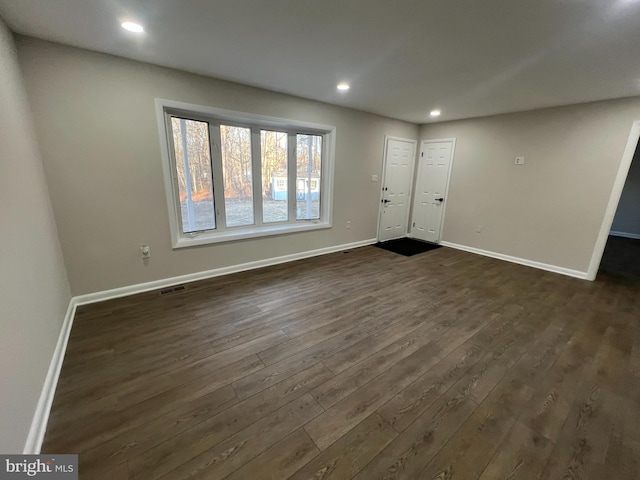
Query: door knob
(385, 201)
(440, 199)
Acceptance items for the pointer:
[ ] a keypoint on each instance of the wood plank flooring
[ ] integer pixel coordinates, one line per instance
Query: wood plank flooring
(361, 364)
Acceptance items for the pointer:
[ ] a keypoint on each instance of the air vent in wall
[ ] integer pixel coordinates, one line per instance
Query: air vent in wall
(175, 288)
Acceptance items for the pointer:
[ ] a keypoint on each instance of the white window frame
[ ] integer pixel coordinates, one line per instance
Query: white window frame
(166, 108)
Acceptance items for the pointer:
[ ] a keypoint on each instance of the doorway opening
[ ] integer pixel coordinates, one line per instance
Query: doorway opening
(620, 222)
(621, 257)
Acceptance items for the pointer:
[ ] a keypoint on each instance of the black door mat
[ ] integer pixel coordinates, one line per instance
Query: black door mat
(407, 246)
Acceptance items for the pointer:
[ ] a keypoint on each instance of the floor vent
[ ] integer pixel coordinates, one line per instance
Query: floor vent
(175, 288)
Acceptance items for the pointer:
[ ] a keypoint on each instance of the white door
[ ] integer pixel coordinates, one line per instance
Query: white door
(399, 158)
(431, 185)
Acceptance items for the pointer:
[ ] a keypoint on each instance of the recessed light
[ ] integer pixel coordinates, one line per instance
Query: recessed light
(343, 86)
(132, 27)
(435, 113)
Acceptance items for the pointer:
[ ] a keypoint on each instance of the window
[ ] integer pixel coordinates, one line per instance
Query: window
(235, 147)
(232, 175)
(309, 168)
(193, 174)
(274, 148)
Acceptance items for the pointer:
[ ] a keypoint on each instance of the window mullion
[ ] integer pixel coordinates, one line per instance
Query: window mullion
(218, 178)
(256, 173)
(291, 177)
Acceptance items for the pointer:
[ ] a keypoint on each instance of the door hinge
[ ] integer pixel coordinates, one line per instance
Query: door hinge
(422, 154)
(414, 224)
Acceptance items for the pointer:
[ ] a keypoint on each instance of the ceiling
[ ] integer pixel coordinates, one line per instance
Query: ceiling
(403, 58)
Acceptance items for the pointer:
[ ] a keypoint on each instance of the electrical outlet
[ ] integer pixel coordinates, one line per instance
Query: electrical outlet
(348, 224)
(145, 251)
(478, 228)
(519, 161)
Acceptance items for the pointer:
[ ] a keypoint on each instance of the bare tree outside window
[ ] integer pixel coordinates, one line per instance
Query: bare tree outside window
(309, 172)
(274, 159)
(238, 182)
(193, 171)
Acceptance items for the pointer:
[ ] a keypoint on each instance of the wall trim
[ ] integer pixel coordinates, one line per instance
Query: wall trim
(521, 261)
(615, 233)
(43, 409)
(216, 272)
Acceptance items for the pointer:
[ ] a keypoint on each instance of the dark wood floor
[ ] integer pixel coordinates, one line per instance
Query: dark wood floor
(364, 365)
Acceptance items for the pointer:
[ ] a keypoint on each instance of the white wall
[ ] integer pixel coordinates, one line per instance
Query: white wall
(34, 293)
(550, 209)
(97, 129)
(627, 219)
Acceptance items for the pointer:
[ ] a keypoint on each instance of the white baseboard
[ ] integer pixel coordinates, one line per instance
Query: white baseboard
(216, 272)
(624, 234)
(41, 417)
(520, 261)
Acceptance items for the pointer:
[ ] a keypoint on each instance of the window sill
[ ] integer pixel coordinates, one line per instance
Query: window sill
(246, 233)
